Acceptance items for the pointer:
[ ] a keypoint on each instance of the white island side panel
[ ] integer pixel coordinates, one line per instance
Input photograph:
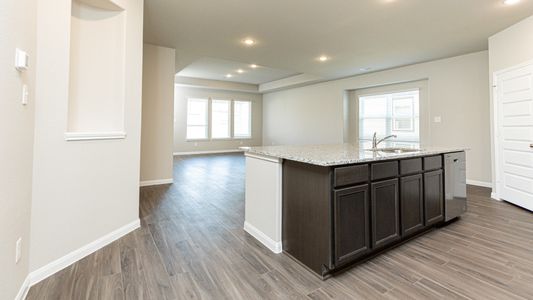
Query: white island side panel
(262, 212)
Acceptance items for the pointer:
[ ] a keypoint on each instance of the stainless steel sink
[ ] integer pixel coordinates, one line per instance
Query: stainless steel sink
(395, 150)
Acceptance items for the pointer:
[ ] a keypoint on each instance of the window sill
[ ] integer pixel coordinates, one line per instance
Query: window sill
(94, 136)
(219, 140)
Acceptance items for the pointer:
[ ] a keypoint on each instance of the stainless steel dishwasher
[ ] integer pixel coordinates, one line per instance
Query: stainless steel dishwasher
(454, 185)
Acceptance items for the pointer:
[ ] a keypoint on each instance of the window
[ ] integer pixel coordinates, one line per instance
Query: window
(220, 119)
(197, 119)
(242, 118)
(221, 116)
(393, 113)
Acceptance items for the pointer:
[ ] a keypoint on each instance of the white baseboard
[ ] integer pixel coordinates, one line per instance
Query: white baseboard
(207, 152)
(156, 182)
(479, 183)
(74, 256)
(263, 238)
(495, 196)
(23, 292)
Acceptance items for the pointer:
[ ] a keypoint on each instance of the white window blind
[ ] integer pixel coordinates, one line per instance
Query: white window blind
(220, 119)
(197, 114)
(391, 113)
(242, 125)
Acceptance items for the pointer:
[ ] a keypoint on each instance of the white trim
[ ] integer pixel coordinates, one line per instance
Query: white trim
(74, 256)
(264, 157)
(156, 182)
(207, 152)
(92, 136)
(479, 183)
(24, 288)
(495, 196)
(263, 238)
(496, 134)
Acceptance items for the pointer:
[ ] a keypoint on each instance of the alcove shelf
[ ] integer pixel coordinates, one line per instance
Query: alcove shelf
(97, 71)
(91, 136)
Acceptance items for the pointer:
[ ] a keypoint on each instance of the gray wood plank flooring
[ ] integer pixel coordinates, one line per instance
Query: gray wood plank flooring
(192, 246)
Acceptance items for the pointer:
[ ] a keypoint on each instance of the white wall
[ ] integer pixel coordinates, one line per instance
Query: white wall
(82, 190)
(458, 92)
(180, 120)
(17, 29)
(157, 113)
(508, 48)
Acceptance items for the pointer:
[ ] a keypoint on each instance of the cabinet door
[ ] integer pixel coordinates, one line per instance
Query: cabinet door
(411, 204)
(433, 197)
(351, 223)
(385, 212)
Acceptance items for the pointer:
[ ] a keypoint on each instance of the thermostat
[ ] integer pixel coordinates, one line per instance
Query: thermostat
(21, 60)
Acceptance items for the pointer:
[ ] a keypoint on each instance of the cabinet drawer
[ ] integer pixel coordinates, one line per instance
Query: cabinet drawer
(410, 166)
(432, 162)
(384, 170)
(350, 175)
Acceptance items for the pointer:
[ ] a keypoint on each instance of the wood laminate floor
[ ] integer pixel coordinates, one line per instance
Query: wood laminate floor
(192, 246)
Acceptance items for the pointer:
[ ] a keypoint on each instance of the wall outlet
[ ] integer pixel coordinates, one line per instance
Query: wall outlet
(240, 142)
(18, 250)
(437, 119)
(195, 144)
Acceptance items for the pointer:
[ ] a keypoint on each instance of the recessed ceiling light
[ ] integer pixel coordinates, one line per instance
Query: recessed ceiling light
(240, 71)
(254, 66)
(229, 75)
(510, 2)
(323, 58)
(248, 42)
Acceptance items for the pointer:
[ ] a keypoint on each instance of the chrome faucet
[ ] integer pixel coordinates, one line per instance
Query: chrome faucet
(375, 141)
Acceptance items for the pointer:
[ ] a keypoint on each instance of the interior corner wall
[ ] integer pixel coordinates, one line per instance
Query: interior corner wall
(17, 30)
(508, 48)
(458, 93)
(82, 190)
(180, 120)
(157, 113)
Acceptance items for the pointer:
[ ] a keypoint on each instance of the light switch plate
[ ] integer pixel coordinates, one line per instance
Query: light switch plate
(18, 250)
(21, 60)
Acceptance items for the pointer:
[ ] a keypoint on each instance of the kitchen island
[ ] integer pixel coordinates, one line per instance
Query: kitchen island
(331, 206)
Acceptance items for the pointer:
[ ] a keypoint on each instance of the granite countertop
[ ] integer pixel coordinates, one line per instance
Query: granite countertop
(342, 154)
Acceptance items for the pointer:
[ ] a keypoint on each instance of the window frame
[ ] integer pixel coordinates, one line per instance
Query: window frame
(248, 137)
(230, 119)
(209, 120)
(389, 115)
(206, 119)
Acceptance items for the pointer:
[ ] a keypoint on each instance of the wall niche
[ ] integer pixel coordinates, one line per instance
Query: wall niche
(97, 71)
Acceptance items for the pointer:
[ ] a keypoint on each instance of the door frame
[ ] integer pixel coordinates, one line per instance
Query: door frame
(495, 126)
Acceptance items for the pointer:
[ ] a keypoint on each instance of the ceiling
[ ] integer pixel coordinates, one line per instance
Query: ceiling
(217, 69)
(290, 35)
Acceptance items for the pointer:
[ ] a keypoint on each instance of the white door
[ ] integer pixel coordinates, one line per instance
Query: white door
(514, 99)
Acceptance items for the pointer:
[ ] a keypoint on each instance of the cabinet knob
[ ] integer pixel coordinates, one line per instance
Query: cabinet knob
(531, 146)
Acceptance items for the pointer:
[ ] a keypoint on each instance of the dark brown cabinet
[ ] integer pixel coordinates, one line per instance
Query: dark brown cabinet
(351, 223)
(412, 204)
(433, 197)
(385, 212)
(340, 215)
